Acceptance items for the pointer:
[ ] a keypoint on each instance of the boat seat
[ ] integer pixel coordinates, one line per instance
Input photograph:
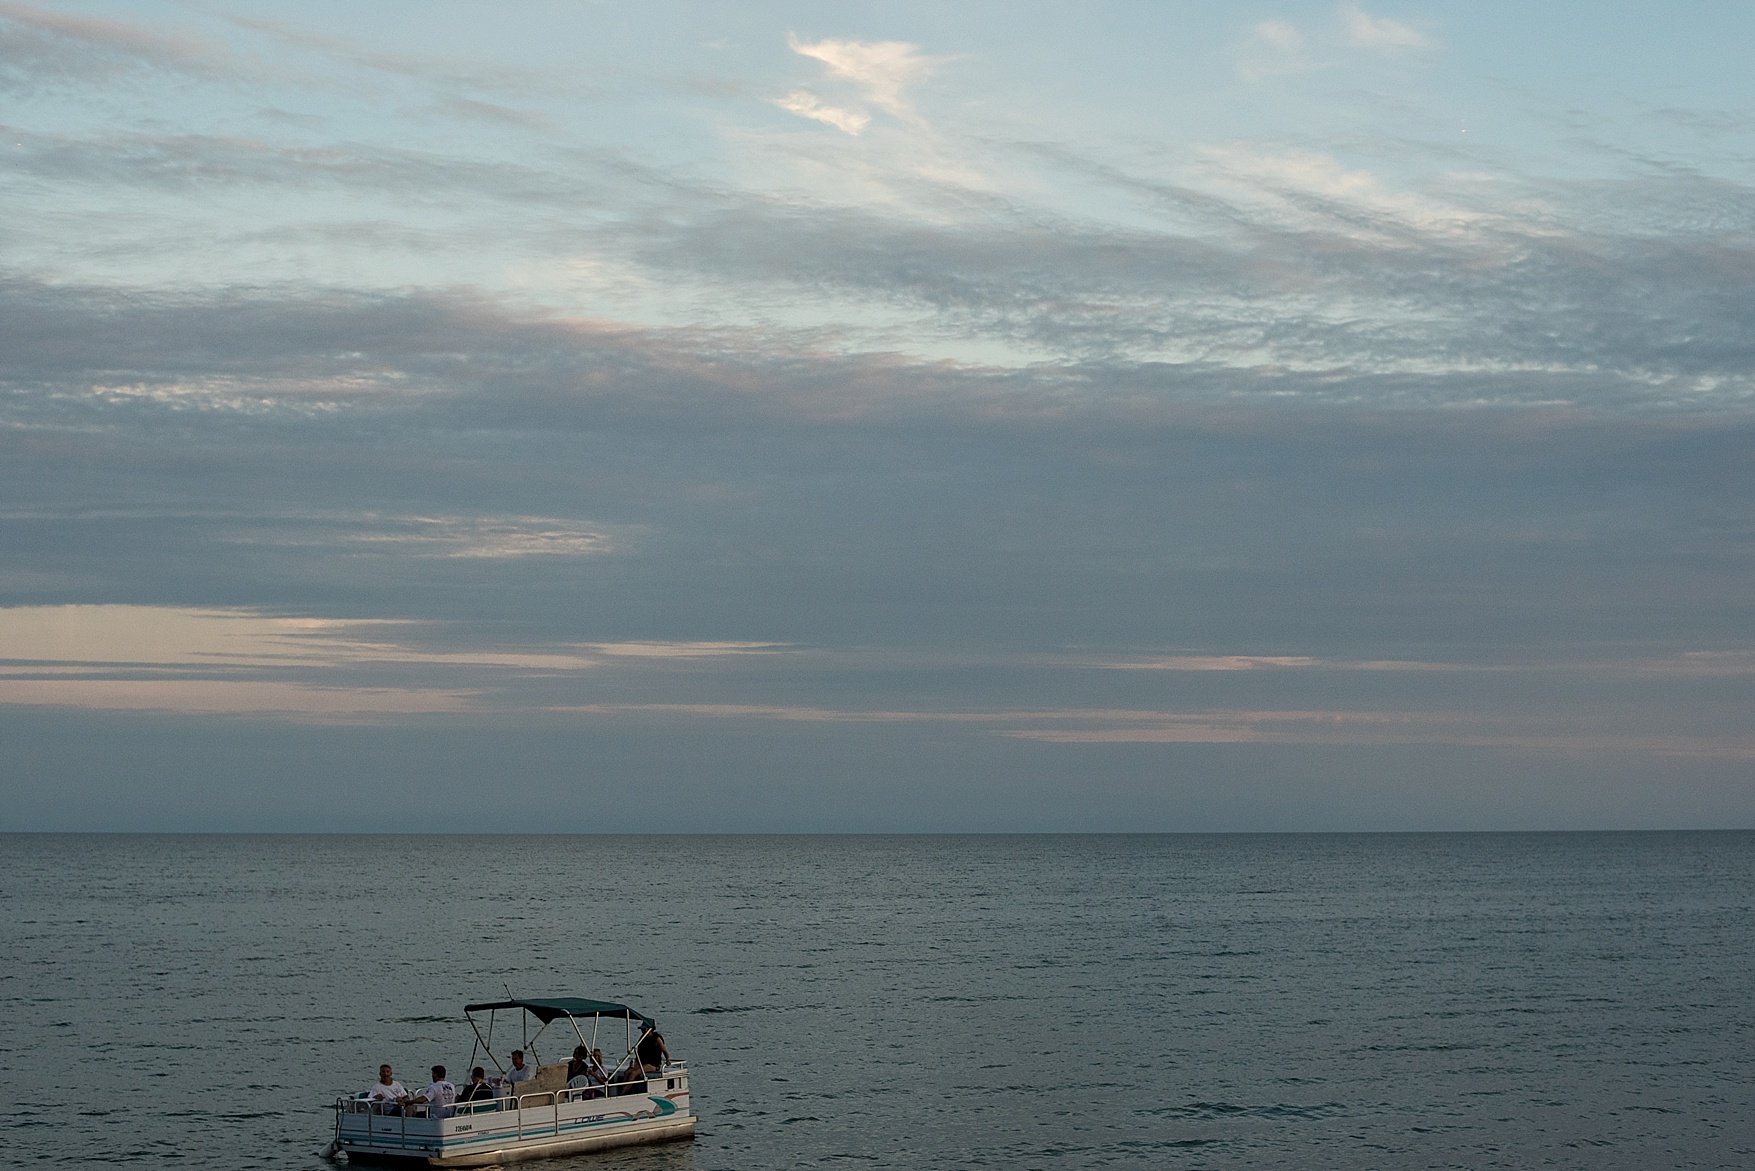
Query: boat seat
(549, 1079)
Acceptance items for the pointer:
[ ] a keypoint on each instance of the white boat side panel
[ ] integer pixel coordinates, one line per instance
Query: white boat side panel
(656, 1130)
(535, 1132)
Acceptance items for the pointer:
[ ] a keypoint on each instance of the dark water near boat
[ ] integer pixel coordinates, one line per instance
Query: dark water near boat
(1576, 1000)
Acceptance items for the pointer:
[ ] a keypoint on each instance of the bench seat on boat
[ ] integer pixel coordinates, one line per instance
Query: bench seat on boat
(549, 1079)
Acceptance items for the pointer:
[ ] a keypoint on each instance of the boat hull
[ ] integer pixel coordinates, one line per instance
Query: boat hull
(543, 1124)
(657, 1130)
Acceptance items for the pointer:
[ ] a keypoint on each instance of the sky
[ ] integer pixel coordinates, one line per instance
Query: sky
(775, 417)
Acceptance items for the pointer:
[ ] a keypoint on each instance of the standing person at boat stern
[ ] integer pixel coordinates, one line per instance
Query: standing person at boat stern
(651, 1050)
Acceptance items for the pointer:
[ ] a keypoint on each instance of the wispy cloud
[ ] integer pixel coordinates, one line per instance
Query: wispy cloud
(806, 105)
(881, 69)
(44, 47)
(879, 72)
(193, 660)
(1380, 32)
(485, 537)
(296, 701)
(1277, 48)
(452, 75)
(123, 636)
(1273, 48)
(684, 650)
(218, 162)
(1257, 663)
(1088, 726)
(240, 661)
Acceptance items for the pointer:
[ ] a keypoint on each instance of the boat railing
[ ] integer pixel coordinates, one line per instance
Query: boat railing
(395, 1118)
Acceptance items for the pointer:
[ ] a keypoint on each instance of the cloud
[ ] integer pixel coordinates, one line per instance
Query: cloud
(186, 162)
(1277, 48)
(805, 104)
(1272, 48)
(40, 47)
(497, 114)
(1256, 663)
(1293, 262)
(1439, 309)
(1078, 726)
(880, 71)
(238, 660)
(1380, 33)
(1249, 268)
(482, 537)
(234, 697)
(1280, 35)
(684, 650)
(452, 77)
(1299, 279)
(165, 637)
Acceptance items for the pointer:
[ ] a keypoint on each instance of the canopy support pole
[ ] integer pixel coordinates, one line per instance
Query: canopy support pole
(483, 1044)
(531, 1044)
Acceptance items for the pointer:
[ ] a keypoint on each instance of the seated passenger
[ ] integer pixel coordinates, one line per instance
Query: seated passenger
(586, 1072)
(388, 1095)
(631, 1080)
(519, 1071)
(478, 1089)
(439, 1096)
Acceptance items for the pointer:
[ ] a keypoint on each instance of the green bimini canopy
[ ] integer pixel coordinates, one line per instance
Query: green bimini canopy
(554, 1007)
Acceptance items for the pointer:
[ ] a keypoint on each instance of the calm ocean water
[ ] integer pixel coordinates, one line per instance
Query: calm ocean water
(1472, 1001)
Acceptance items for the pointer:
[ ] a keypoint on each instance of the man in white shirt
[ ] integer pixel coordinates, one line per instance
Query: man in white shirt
(519, 1071)
(388, 1095)
(439, 1096)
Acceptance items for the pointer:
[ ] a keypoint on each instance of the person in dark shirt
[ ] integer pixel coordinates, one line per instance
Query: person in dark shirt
(651, 1050)
(579, 1063)
(478, 1089)
(585, 1072)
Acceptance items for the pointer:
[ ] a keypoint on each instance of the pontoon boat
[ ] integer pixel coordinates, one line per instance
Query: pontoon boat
(534, 1119)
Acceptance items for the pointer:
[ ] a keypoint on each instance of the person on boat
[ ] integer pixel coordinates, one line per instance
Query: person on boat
(628, 1081)
(585, 1073)
(577, 1064)
(519, 1071)
(388, 1095)
(478, 1089)
(653, 1053)
(439, 1096)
